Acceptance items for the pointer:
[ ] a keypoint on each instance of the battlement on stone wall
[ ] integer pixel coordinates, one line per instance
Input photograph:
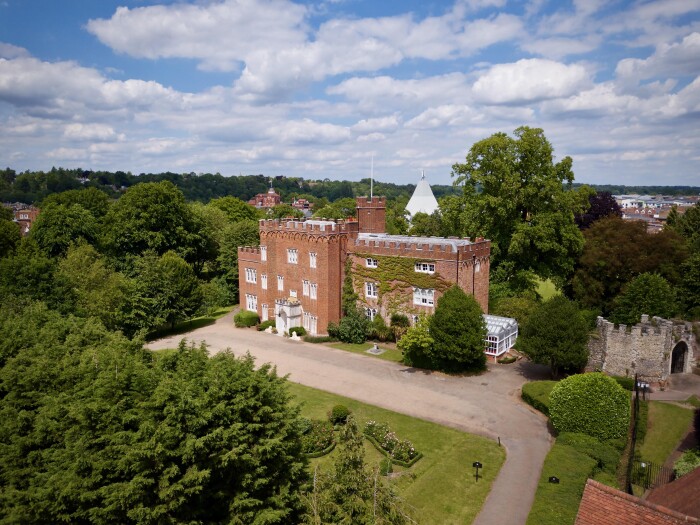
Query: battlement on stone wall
(656, 327)
(424, 247)
(249, 249)
(374, 202)
(309, 226)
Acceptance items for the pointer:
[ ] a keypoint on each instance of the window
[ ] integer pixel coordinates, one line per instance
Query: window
(263, 281)
(312, 259)
(293, 293)
(264, 313)
(423, 296)
(372, 263)
(305, 288)
(310, 323)
(251, 275)
(425, 267)
(477, 265)
(313, 288)
(280, 283)
(251, 302)
(371, 290)
(292, 255)
(24, 216)
(370, 313)
(263, 253)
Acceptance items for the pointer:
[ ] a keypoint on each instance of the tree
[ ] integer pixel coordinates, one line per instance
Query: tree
(458, 331)
(28, 272)
(556, 334)
(425, 225)
(519, 308)
(91, 199)
(648, 293)
(235, 209)
(58, 226)
(616, 251)
(516, 196)
(592, 404)
(10, 237)
(416, 344)
(601, 204)
(154, 217)
(353, 327)
(283, 211)
(688, 226)
(242, 233)
(690, 286)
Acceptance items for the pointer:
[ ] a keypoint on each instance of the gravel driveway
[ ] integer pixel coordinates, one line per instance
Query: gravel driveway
(488, 404)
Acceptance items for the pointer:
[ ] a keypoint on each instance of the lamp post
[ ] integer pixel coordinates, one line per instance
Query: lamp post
(477, 466)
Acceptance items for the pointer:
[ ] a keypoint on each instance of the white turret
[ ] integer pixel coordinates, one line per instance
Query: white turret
(422, 199)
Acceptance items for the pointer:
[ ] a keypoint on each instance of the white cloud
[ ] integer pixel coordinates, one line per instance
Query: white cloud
(676, 59)
(89, 132)
(442, 116)
(559, 47)
(530, 80)
(12, 51)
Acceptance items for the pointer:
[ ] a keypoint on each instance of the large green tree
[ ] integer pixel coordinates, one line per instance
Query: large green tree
(519, 198)
(556, 334)
(60, 225)
(458, 331)
(91, 199)
(647, 293)
(235, 209)
(688, 225)
(616, 251)
(9, 236)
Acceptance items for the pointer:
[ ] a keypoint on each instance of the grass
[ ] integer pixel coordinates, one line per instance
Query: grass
(557, 504)
(546, 289)
(667, 424)
(441, 487)
(189, 325)
(537, 393)
(693, 401)
(390, 354)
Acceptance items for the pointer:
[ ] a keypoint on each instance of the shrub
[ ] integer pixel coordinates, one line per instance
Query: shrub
(318, 438)
(536, 394)
(385, 467)
(379, 330)
(299, 330)
(245, 318)
(401, 451)
(265, 325)
(353, 328)
(592, 404)
(689, 461)
(507, 359)
(339, 414)
(400, 320)
(376, 430)
(606, 455)
(333, 330)
(319, 338)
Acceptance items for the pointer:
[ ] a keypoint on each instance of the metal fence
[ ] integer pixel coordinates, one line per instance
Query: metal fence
(649, 475)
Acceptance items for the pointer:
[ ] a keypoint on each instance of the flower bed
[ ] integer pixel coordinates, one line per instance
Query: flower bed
(401, 452)
(318, 439)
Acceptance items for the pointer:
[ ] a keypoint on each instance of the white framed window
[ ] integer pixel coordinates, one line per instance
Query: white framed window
(263, 253)
(424, 296)
(371, 290)
(371, 313)
(313, 290)
(251, 275)
(280, 283)
(424, 267)
(477, 265)
(24, 216)
(312, 259)
(310, 323)
(292, 255)
(371, 263)
(263, 281)
(305, 288)
(264, 313)
(251, 302)
(293, 293)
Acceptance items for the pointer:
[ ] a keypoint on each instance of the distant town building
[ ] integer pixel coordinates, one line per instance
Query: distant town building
(296, 275)
(422, 200)
(266, 200)
(24, 215)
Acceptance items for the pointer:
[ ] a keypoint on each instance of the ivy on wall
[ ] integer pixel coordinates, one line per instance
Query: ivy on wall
(395, 274)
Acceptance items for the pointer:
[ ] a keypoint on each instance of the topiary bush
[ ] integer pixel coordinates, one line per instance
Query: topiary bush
(592, 404)
(606, 455)
(265, 325)
(245, 318)
(339, 414)
(299, 330)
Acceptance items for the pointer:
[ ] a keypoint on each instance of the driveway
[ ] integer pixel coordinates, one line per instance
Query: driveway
(488, 404)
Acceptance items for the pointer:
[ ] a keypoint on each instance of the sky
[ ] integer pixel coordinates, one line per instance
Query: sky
(324, 89)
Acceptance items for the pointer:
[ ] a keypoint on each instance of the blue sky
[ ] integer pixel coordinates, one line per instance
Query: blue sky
(315, 89)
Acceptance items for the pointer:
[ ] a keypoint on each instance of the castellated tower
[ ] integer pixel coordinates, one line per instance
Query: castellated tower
(371, 214)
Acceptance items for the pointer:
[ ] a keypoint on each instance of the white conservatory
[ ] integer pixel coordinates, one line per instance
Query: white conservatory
(502, 333)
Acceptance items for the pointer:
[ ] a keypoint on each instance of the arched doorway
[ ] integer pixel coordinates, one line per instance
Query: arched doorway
(678, 358)
(281, 323)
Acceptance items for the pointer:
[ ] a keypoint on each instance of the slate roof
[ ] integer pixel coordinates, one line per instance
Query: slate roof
(603, 505)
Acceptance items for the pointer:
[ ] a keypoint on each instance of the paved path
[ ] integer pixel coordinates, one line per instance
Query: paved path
(488, 405)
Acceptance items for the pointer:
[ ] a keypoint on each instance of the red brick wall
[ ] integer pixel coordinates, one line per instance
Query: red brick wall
(371, 214)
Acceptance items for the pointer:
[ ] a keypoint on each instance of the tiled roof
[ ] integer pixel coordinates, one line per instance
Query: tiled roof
(603, 505)
(682, 495)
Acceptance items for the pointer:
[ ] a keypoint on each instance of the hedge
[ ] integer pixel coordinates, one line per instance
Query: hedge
(319, 339)
(321, 453)
(607, 456)
(299, 330)
(406, 464)
(245, 318)
(536, 394)
(265, 325)
(592, 404)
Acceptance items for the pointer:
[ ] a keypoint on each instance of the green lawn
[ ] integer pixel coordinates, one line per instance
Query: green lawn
(557, 504)
(667, 424)
(441, 486)
(546, 289)
(390, 354)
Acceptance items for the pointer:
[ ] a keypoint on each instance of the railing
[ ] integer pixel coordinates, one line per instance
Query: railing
(650, 475)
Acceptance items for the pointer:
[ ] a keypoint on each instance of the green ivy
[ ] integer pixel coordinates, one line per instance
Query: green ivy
(395, 273)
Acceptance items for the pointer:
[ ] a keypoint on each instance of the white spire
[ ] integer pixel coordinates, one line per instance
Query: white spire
(422, 199)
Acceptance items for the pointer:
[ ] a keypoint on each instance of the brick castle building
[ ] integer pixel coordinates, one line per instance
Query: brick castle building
(296, 275)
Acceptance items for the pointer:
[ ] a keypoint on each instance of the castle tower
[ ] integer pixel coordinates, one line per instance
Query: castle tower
(371, 214)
